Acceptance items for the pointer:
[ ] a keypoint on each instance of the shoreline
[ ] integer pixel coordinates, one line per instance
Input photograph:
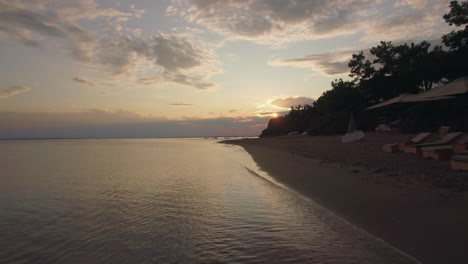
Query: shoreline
(425, 222)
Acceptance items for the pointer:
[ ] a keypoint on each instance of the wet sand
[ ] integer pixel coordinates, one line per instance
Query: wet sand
(418, 206)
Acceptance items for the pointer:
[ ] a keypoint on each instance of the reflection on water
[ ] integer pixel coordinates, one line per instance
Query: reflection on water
(161, 201)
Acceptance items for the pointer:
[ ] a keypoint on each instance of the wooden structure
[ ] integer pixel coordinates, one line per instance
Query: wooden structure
(446, 140)
(460, 161)
(438, 153)
(400, 147)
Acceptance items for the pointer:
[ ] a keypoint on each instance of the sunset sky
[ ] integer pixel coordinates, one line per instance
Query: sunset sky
(147, 68)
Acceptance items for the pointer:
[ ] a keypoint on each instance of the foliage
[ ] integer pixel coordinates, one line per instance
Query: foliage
(457, 41)
(457, 16)
(388, 71)
(397, 69)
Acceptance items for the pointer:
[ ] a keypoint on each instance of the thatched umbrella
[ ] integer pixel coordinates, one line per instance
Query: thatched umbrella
(442, 92)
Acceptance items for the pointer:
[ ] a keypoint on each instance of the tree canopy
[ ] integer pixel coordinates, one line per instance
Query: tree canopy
(457, 17)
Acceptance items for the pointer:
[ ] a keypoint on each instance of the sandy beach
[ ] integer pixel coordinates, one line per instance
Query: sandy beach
(416, 205)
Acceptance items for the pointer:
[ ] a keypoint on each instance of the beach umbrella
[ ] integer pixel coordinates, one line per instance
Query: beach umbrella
(446, 91)
(352, 124)
(442, 92)
(399, 99)
(408, 98)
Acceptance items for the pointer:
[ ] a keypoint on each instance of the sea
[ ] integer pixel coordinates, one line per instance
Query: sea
(163, 201)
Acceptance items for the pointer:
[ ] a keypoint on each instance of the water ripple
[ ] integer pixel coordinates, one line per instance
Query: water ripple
(161, 201)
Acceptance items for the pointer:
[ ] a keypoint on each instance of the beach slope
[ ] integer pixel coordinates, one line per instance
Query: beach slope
(418, 206)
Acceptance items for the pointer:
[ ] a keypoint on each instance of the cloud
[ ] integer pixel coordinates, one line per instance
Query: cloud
(18, 21)
(84, 81)
(417, 4)
(281, 21)
(162, 58)
(264, 20)
(174, 54)
(291, 101)
(412, 22)
(335, 63)
(98, 123)
(328, 64)
(265, 113)
(180, 104)
(155, 61)
(270, 113)
(13, 90)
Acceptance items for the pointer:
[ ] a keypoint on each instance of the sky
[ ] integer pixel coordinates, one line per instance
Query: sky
(146, 68)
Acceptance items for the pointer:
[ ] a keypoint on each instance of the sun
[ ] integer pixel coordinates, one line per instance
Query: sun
(274, 115)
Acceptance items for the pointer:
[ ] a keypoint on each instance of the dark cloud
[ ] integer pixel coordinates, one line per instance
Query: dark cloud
(12, 17)
(84, 81)
(95, 123)
(118, 53)
(327, 64)
(13, 90)
(265, 113)
(29, 26)
(292, 101)
(269, 114)
(175, 54)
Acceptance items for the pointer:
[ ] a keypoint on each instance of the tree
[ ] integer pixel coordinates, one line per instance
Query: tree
(390, 71)
(396, 69)
(457, 16)
(360, 68)
(457, 41)
(342, 96)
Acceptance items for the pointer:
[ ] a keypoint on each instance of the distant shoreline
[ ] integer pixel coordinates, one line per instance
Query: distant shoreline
(52, 138)
(391, 196)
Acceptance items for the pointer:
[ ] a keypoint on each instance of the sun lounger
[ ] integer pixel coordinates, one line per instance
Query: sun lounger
(438, 153)
(445, 152)
(459, 162)
(460, 147)
(439, 134)
(391, 148)
(419, 139)
(446, 140)
(396, 147)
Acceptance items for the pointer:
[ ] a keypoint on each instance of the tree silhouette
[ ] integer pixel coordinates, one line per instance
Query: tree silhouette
(457, 16)
(390, 71)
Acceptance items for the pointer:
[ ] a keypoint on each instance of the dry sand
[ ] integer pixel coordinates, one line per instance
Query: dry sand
(419, 206)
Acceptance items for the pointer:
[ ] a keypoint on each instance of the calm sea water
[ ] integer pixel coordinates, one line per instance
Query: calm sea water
(161, 201)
